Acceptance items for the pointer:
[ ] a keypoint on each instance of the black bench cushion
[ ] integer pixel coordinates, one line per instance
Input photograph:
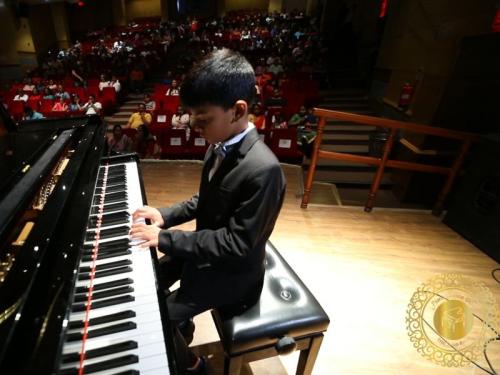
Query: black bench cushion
(285, 308)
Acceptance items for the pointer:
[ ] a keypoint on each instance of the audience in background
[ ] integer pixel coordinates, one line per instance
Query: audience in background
(60, 105)
(146, 144)
(30, 114)
(257, 116)
(149, 103)
(119, 142)
(140, 117)
(21, 96)
(180, 120)
(173, 89)
(92, 107)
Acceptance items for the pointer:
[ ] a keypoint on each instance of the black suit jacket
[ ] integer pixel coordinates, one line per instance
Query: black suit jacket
(235, 214)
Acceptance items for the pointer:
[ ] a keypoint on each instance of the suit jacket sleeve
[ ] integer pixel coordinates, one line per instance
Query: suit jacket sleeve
(180, 213)
(251, 223)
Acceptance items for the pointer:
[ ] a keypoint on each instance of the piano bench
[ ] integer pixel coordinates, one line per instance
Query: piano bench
(287, 317)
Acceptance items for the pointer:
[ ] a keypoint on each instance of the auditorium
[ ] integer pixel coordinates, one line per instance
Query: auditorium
(264, 187)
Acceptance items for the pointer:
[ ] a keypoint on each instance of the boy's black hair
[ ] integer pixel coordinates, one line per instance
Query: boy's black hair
(222, 78)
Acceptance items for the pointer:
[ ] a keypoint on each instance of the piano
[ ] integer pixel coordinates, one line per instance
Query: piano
(76, 295)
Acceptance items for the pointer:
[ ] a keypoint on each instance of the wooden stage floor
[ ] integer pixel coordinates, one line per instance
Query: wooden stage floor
(362, 267)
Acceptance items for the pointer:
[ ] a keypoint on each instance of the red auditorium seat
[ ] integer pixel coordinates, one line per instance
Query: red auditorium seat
(162, 117)
(284, 145)
(170, 103)
(174, 145)
(16, 109)
(197, 145)
(46, 105)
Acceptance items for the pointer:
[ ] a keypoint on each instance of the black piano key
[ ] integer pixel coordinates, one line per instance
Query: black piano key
(105, 266)
(121, 217)
(107, 251)
(112, 180)
(111, 188)
(114, 271)
(99, 352)
(106, 255)
(98, 332)
(120, 206)
(122, 243)
(107, 285)
(104, 303)
(127, 372)
(108, 233)
(112, 363)
(103, 319)
(110, 198)
(105, 294)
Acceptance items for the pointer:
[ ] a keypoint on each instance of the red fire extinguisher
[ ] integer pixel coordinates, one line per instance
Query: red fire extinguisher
(406, 95)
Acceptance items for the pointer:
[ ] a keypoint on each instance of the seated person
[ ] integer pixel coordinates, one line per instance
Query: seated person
(257, 116)
(35, 95)
(310, 119)
(119, 142)
(299, 118)
(115, 82)
(141, 117)
(145, 144)
(103, 82)
(276, 100)
(149, 103)
(92, 107)
(61, 93)
(278, 121)
(221, 263)
(180, 120)
(28, 85)
(47, 94)
(30, 114)
(74, 103)
(174, 89)
(20, 96)
(60, 105)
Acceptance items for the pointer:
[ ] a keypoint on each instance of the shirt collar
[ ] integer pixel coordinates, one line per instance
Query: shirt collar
(238, 137)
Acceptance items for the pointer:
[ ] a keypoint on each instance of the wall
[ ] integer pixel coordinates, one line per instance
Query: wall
(142, 8)
(42, 28)
(246, 4)
(426, 34)
(94, 15)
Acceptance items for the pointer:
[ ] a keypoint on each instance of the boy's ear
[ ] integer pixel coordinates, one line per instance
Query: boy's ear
(240, 109)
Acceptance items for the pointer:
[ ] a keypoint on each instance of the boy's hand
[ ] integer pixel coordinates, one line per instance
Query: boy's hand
(150, 213)
(147, 233)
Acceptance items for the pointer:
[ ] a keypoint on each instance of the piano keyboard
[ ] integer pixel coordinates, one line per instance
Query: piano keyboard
(121, 331)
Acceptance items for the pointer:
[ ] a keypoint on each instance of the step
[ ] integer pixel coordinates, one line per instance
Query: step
(346, 148)
(348, 105)
(342, 99)
(331, 136)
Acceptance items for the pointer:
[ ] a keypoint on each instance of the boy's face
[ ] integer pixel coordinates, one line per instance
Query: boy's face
(213, 122)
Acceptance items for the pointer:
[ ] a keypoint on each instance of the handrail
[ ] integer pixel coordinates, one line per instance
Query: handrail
(384, 161)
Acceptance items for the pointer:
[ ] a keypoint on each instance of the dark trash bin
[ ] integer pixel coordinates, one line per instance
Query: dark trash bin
(377, 142)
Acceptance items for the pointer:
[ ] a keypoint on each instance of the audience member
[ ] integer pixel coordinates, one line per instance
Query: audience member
(74, 104)
(299, 118)
(140, 117)
(30, 114)
(174, 89)
(257, 116)
(92, 107)
(21, 96)
(145, 144)
(180, 120)
(60, 105)
(119, 142)
(149, 103)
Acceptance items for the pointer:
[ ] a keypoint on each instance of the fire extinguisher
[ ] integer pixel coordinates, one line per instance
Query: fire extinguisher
(406, 95)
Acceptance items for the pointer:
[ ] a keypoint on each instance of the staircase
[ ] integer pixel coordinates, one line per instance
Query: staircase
(122, 114)
(352, 180)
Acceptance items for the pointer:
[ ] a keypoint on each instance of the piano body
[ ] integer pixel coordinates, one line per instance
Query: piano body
(76, 296)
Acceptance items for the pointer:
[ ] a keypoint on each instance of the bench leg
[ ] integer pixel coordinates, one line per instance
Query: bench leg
(232, 365)
(308, 356)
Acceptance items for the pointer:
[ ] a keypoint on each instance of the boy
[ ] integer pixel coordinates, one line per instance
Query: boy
(240, 195)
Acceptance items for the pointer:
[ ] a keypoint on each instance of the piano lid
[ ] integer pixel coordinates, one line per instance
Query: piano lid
(18, 150)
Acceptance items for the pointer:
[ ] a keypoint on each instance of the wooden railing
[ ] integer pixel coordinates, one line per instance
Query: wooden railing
(465, 138)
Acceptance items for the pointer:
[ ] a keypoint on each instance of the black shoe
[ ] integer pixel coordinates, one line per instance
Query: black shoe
(186, 328)
(201, 369)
